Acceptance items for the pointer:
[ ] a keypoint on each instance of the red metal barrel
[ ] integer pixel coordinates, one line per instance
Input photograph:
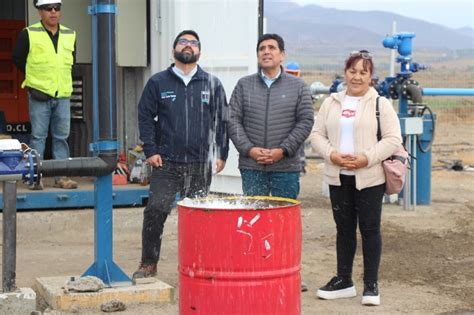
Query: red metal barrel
(240, 261)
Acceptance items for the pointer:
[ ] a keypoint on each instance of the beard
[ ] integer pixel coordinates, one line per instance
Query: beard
(186, 57)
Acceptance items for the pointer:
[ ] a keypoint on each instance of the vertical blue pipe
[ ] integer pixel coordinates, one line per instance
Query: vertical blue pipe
(111, 74)
(103, 222)
(102, 229)
(105, 141)
(106, 65)
(95, 78)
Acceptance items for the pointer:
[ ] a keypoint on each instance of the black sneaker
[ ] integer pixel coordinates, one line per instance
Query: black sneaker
(337, 288)
(371, 294)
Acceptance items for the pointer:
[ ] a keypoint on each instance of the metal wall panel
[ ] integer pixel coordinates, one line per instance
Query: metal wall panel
(12, 10)
(131, 23)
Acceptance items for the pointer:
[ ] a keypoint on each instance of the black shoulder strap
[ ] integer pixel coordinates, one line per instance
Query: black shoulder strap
(377, 115)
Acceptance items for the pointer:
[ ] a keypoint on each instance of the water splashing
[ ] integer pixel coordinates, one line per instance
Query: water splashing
(238, 203)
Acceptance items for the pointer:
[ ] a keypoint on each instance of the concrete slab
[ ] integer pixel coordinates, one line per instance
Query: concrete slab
(20, 301)
(52, 291)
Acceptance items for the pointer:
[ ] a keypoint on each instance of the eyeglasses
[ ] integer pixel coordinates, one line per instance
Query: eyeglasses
(361, 53)
(51, 7)
(185, 42)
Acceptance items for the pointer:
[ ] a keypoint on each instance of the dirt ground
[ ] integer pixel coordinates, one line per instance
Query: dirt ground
(427, 262)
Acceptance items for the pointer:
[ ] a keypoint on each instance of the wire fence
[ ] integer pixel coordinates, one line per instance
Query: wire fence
(445, 69)
(454, 139)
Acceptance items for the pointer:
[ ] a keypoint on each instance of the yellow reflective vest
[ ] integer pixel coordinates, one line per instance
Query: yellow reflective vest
(47, 70)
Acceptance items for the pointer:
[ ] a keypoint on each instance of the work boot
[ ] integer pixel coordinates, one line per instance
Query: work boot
(36, 186)
(65, 183)
(304, 287)
(145, 271)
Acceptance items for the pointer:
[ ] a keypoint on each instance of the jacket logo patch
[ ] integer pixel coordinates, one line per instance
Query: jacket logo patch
(205, 96)
(168, 94)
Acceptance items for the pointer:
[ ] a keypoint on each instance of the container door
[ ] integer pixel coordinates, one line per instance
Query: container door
(13, 100)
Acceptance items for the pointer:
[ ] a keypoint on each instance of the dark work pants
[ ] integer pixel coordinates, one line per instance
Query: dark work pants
(189, 180)
(350, 205)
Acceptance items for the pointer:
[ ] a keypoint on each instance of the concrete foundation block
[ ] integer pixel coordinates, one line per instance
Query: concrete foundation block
(51, 289)
(19, 302)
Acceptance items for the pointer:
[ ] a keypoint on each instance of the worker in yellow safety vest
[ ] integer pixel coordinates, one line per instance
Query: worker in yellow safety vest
(46, 52)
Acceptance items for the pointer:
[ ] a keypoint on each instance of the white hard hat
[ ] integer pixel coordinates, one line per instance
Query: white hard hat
(43, 2)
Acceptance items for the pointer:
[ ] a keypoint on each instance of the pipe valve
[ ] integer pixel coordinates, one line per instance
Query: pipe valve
(18, 161)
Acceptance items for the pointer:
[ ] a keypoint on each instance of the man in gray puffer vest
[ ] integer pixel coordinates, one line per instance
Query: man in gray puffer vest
(271, 117)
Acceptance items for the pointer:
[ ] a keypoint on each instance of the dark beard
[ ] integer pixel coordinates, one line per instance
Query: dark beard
(186, 57)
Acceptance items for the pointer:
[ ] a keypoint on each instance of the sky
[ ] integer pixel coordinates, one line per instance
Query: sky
(451, 13)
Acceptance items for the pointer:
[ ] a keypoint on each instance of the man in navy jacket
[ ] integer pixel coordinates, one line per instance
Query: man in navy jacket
(182, 123)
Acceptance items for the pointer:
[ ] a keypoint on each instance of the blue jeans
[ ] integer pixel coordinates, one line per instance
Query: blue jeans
(56, 115)
(277, 184)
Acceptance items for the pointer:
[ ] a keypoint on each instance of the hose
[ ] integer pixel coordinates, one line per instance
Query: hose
(102, 165)
(428, 147)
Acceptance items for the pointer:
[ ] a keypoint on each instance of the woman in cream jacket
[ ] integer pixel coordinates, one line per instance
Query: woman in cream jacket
(345, 135)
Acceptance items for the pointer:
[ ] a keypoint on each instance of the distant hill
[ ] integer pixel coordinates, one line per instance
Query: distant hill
(468, 31)
(316, 28)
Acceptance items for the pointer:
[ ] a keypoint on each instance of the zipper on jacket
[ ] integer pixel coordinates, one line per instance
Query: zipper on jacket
(186, 121)
(267, 108)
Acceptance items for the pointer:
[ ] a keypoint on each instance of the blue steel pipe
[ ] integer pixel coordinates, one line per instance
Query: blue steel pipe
(95, 74)
(106, 75)
(103, 16)
(447, 92)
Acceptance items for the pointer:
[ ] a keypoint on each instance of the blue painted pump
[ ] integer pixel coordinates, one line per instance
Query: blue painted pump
(410, 96)
(12, 164)
(17, 164)
(405, 89)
